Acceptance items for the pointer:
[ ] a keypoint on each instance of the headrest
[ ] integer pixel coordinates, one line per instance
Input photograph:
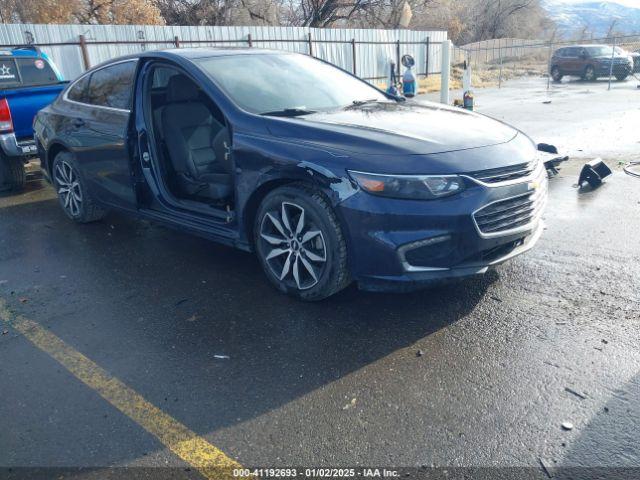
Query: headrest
(181, 89)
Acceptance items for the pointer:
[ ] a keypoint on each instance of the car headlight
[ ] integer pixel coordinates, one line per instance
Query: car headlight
(415, 187)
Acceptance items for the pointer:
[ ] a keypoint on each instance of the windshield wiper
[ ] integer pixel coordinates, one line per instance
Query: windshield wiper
(357, 103)
(289, 112)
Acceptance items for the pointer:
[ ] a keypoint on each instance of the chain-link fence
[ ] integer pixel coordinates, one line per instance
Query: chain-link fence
(612, 62)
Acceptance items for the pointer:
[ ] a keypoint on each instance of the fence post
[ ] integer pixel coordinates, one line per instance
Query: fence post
(398, 57)
(426, 70)
(500, 54)
(249, 40)
(613, 52)
(445, 71)
(353, 54)
(549, 64)
(176, 41)
(85, 52)
(310, 44)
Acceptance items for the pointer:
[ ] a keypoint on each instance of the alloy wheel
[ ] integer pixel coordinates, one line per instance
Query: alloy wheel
(293, 246)
(590, 74)
(69, 189)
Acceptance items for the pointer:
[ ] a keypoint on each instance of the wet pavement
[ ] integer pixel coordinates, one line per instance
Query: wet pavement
(479, 373)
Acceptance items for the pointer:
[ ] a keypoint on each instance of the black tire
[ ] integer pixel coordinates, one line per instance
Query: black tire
(297, 254)
(12, 174)
(621, 77)
(79, 207)
(589, 74)
(556, 74)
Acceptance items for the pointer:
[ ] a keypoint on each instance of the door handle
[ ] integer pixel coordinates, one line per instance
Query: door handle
(78, 122)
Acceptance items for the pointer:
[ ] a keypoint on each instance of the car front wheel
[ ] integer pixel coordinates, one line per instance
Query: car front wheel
(589, 74)
(300, 244)
(73, 194)
(556, 74)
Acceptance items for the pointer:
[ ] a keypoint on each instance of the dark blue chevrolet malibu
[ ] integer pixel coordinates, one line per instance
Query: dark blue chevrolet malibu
(326, 178)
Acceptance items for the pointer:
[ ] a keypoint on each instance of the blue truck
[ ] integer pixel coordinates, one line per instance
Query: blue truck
(29, 81)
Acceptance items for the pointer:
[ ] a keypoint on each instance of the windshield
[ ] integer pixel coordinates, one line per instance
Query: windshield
(270, 83)
(599, 51)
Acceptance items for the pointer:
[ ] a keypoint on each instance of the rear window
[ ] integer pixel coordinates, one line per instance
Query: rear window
(36, 71)
(26, 72)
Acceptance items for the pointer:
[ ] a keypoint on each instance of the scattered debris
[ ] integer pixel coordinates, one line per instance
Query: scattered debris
(606, 409)
(605, 341)
(567, 426)
(181, 301)
(5, 332)
(2, 282)
(544, 468)
(547, 102)
(222, 357)
(419, 353)
(577, 394)
(351, 404)
(192, 318)
(561, 323)
(23, 300)
(497, 299)
(593, 172)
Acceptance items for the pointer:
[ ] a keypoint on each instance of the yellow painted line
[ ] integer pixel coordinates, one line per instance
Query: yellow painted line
(186, 444)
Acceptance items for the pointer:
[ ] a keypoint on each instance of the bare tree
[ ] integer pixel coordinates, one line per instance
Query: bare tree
(80, 11)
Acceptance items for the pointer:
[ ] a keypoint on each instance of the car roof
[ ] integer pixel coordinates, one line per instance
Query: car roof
(193, 53)
(26, 51)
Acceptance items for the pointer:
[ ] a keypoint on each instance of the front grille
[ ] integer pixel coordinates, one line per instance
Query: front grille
(511, 213)
(504, 174)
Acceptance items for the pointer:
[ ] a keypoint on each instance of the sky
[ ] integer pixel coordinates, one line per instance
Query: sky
(626, 3)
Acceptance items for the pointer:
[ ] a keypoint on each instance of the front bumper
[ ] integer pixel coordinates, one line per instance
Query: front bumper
(618, 69)
(404, 244)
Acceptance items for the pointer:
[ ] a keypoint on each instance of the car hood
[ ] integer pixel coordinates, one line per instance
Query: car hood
(394, 129)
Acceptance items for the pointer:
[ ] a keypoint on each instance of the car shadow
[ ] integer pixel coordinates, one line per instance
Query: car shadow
(194, 326)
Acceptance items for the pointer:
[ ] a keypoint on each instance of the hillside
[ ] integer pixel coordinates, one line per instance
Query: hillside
(597, 16)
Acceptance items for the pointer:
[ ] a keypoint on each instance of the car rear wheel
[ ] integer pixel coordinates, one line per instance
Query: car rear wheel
(589, 74)
(300, 244)
(621, 77)
(556, 74)
(12, 173)
(73, 195)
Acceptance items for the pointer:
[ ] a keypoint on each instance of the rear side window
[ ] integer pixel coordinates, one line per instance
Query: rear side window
(36, 71)
(111, 86)
(78, 91)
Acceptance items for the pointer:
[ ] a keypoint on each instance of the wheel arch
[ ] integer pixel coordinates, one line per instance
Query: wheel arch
(52, 151)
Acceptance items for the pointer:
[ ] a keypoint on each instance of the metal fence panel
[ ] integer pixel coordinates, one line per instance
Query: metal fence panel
(373, 48)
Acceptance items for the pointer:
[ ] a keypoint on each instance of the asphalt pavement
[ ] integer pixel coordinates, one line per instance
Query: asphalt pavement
(481, 373)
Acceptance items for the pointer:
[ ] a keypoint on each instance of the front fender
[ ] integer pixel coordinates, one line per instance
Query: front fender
(264, 163)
